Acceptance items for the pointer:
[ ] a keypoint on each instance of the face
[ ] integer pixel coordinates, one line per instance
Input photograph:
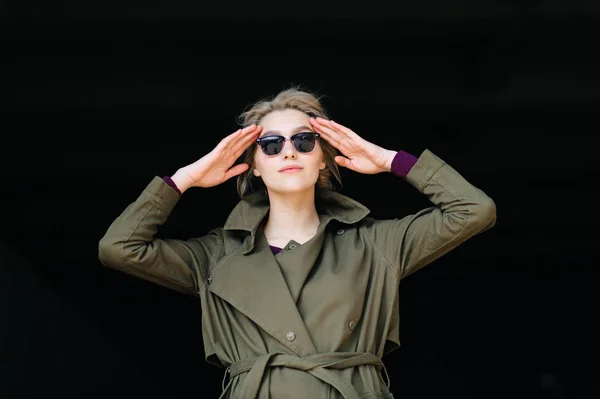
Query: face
(286, 123)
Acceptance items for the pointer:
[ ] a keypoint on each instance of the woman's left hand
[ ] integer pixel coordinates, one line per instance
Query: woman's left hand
(359, 155)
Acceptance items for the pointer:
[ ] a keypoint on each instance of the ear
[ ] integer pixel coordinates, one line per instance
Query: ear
(323, 165)
(256, 172)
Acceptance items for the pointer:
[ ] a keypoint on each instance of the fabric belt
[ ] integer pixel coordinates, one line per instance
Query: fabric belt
(319, 365)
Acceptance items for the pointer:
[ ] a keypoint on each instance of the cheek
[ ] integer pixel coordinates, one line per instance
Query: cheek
(263, 164)
(316, 163)
(320, 159)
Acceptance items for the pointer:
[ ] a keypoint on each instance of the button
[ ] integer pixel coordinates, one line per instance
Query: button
(290, 336)
(340, 232)
(209, 279)
(351, 325)
(292, 246)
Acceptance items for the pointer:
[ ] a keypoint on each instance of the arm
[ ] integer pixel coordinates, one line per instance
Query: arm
(130, 244)
(460, 211)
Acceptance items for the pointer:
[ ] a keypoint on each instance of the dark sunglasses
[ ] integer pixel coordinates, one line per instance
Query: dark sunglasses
(273, 144)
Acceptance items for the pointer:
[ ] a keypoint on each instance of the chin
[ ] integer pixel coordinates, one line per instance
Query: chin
(292, 187)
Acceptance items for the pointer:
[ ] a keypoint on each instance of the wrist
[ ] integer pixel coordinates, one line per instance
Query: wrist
(181, 180)
(390, 159)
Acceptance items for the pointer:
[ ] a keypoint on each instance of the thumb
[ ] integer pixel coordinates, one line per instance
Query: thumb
(343, 161)
(236, 170)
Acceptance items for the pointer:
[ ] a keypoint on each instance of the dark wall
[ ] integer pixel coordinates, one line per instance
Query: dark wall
(99, 97)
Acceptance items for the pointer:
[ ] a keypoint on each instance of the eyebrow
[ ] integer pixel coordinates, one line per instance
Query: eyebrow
(296, 130)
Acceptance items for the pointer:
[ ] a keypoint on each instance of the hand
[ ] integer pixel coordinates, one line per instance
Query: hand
(359, 155)
(215, 167)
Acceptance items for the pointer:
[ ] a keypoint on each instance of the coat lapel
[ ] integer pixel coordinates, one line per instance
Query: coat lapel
(254, 285)
(250, 278)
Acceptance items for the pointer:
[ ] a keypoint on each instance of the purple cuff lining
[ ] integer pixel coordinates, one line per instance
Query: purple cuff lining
(171, 183)
(403, 163)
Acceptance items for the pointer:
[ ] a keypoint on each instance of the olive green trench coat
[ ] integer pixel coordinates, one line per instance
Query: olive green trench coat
(314, 320)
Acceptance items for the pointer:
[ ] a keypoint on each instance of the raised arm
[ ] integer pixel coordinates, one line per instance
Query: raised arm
(130, 243)
(460, 209)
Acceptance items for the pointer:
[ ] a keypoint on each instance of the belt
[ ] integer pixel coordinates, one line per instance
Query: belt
(319, 365)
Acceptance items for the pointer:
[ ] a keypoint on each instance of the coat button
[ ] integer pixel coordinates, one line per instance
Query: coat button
(292, 246)
(351, 325)
(290, 336)
(340, 232)
(209, 279)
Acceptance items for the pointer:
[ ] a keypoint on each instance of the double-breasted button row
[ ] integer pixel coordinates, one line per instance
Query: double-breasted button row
(340, 232)
(209, 279)
(351, 325)
(292, 246)
(290, 336)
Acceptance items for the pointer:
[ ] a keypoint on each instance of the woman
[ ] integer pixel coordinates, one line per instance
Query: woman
(299, 288)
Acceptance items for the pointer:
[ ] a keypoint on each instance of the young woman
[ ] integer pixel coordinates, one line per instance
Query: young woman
(299, 288)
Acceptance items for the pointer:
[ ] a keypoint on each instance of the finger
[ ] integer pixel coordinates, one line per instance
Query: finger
(244, 142)
(328, 134)
(233, 136)
(243, 145)
(340, 129)
(328, 137)
(237, 135)
(236, 170)
(343, 129)
(240, 141)
(325, 124)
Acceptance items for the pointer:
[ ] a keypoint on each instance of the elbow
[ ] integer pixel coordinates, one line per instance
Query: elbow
(486, 215)
(109, 252)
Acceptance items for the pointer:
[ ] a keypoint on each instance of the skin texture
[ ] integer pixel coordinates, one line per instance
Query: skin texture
(292, 214)
(291, 195)
(302, 182)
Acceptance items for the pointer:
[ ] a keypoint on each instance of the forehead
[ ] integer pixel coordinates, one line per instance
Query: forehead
(284, 120)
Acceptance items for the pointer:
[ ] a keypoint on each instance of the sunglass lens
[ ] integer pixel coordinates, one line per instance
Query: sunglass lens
(304, 142)
(272, 145)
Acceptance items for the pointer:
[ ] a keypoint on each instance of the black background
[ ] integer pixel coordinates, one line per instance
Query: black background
(99, 97)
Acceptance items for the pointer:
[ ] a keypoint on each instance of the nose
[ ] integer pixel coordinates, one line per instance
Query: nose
(288, 151)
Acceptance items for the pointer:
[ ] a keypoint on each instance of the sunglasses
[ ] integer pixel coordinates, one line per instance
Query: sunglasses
(303, 142)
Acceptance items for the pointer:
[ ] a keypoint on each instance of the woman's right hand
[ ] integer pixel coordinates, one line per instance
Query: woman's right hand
(215, 167)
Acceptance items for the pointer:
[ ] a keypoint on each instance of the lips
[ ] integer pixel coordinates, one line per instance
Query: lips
(290, 168)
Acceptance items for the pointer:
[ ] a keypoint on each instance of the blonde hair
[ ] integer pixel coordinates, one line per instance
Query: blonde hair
(292, 98)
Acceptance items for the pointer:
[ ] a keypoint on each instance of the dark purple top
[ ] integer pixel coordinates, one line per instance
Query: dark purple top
(401, 165)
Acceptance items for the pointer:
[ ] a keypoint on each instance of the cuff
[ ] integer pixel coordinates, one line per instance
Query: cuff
(171, 183)
(403, 163)
(427, 165)
(161, 194)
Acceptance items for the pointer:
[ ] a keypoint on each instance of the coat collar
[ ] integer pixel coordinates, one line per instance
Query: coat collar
(252, 209)
(252, 281)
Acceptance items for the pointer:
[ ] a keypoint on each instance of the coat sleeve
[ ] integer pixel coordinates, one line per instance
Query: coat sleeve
(131, 246)
(460, 211)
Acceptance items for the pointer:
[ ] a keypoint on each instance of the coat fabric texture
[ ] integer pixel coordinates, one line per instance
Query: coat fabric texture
(314, 320)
